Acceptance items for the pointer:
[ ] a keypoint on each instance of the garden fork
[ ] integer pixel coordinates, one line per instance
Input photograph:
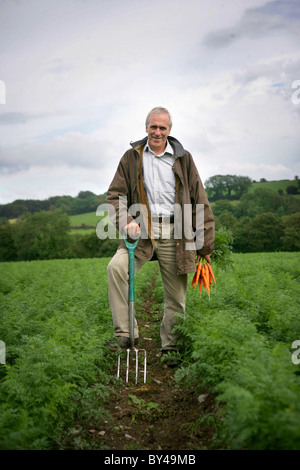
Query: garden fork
(132, 350)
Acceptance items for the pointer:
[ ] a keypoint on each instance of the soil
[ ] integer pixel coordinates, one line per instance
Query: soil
(158, 414)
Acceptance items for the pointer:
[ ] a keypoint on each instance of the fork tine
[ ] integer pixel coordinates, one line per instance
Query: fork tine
(127, 367)
(137, 353)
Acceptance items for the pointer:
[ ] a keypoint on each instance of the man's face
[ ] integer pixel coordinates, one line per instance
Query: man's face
(158, 130)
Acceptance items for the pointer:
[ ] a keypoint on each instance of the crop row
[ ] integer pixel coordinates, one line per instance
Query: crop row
(239, 346)
(55, 319)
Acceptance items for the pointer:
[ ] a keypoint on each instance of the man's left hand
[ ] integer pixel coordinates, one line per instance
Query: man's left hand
(207, 257)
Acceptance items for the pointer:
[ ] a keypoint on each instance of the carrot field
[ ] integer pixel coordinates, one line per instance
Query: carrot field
(238, 346)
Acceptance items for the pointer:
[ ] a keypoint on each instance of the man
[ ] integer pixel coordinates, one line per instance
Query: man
(157, 179)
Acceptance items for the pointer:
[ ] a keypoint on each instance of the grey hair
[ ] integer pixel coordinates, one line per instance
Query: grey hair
(159, 110)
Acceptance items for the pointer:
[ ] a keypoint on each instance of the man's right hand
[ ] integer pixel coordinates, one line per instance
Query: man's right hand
(132, 229)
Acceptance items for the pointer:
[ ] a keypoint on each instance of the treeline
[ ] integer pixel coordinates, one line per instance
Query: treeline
(46, 235)
(85, 201)
(262, 220)
(233, 187)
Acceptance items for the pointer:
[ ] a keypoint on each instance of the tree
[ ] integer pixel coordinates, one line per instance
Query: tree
(261, 233)
(258, 201)
(291, 189)
(243, 242)
(226, 219)
(215, 187)
(291, 234)
(7, 244)
(266, 232)
(43, 235)
(222, 205)
(85, 194)
(227, 186)
(242, 184)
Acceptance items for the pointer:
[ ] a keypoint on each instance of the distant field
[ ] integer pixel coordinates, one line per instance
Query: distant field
(90, 218)
(82, 231)
(275, 185)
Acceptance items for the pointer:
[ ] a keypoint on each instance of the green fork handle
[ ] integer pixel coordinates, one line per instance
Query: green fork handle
(131, 249)
(131, 294)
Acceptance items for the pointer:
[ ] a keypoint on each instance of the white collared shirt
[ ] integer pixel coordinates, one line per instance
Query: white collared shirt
(159, 180)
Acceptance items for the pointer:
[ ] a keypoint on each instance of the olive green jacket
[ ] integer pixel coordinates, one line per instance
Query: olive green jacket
(190, 195)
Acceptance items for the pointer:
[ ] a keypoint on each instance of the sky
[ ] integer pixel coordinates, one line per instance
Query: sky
(78, 77)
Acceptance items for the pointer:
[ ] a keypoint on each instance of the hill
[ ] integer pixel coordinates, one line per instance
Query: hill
(274, 185)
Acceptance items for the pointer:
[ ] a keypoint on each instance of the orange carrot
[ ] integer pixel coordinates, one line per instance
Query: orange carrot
(198, 272)
(211, 272)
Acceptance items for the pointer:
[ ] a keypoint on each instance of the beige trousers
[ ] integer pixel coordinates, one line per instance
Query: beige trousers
(175, 286)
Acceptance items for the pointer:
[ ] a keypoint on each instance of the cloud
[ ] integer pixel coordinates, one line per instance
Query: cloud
(82, 75)
(274, 18)
(70, 150)
(14, 118)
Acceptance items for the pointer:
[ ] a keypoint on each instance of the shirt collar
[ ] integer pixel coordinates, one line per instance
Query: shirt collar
(168, 149)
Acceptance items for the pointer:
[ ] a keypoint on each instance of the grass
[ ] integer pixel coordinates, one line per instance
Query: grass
(89, 218)
(274, 185)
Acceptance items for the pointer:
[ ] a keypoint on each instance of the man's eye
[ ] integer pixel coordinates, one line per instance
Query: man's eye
(160, 127)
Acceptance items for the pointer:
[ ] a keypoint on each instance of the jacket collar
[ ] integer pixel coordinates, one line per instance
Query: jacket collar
(175, 144)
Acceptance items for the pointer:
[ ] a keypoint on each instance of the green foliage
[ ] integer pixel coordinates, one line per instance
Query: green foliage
(238, 344)
(46, 235)
(291, 235)
(7, 244)
(258, 201)
(43, 235)
(223, 247)
(54, 321)
(227, 186)
(90, 246)
(86, 201)
(263, 232)
(262, 220)
(262, 399)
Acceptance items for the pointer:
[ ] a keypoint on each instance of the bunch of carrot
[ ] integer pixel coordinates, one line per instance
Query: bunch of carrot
(204, 276)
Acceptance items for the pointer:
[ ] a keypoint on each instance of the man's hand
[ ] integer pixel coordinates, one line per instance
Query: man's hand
(132, 229)
(207, 257)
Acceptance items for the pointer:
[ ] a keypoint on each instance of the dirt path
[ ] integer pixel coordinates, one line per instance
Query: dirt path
(157, 415)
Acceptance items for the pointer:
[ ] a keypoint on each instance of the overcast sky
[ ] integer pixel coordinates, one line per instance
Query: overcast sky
(77, 78)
